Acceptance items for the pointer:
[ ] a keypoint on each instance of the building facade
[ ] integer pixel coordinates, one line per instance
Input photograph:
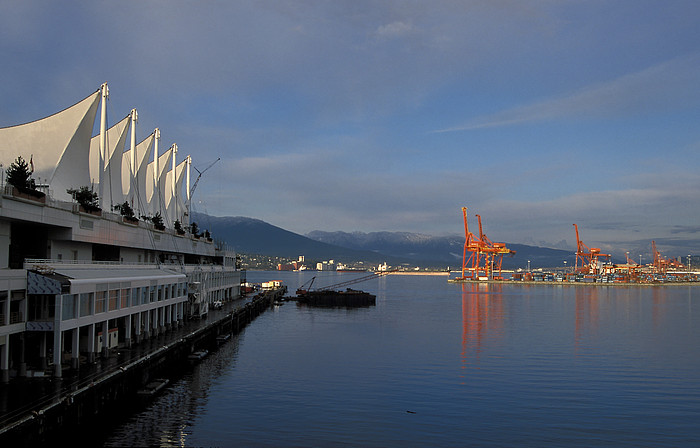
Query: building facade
(76, 284)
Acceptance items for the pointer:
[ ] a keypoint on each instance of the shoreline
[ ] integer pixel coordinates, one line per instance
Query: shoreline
(566, 283)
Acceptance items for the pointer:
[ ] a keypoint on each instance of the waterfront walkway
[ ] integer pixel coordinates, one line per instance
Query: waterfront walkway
(21, 397)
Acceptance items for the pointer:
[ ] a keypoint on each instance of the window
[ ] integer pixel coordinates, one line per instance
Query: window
(85, 304)
(113, 299)
(100, 297)
(69, 308)
(124, 298)
(3, 305)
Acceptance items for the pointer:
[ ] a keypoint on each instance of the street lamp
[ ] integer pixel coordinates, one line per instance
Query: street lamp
(528, 265)
(564, 265)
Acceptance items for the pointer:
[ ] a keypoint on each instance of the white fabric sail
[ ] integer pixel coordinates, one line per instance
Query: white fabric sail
(180, 211)
(134, 189)
(173, 199)
(155, 183)
(58, 146)
(112, 174)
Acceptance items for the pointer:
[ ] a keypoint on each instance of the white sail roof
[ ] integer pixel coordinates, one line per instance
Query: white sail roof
(174, 205)
(155, 183)
(112, 177)
(58, 145)
(135, 189)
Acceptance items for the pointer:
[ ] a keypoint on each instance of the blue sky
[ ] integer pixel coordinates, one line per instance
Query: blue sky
(392, 115)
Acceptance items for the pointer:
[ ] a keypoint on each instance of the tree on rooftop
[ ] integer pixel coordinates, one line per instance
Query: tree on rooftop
(19, 175)
(194, 229)
(126, 210)
(86, 197)
(157, 221)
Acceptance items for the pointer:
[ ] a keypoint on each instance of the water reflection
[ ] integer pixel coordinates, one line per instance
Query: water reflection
(482, 317)
(587, 315)
(166, 421)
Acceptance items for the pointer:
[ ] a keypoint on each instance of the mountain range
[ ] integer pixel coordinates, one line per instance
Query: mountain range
(254, 236)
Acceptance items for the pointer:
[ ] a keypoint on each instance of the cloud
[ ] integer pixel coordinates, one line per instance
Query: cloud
(394, 29)
(671, 84)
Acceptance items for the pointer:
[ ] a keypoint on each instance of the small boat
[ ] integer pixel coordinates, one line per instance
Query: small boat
(223, 338)
(153, 387)
(196, 356)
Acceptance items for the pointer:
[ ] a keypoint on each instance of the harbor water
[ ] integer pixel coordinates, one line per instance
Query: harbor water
(443, 364)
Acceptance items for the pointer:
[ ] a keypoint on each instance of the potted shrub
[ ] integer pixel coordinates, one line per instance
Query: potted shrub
(87, 199)
(194, 229)
(157, 221)
(178, 227)
(127, 212)
(19, 176)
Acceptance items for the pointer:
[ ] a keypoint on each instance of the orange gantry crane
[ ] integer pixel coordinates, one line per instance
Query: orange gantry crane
(662, 264)
(486, 257)
(589, 257)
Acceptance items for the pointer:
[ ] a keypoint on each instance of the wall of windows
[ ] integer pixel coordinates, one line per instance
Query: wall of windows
(117, 296)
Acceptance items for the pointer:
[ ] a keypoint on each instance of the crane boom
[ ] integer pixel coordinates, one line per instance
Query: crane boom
(200, 175)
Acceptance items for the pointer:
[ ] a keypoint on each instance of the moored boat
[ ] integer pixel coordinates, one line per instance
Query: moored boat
(153, 387)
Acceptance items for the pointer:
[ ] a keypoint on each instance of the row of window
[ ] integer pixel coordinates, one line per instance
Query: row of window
(87, 304)
(215, 279)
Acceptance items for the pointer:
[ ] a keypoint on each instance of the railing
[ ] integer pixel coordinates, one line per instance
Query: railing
(72, 206)
(16, 317)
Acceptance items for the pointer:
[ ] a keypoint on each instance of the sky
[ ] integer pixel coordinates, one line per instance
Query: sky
(393, 115)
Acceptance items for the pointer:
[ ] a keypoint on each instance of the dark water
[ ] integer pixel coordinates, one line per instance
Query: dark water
(439, 364)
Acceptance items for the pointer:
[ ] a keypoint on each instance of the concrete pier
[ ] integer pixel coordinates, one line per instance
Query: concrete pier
(32, 410)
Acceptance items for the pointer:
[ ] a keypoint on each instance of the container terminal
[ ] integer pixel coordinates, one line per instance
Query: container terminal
(482, 261)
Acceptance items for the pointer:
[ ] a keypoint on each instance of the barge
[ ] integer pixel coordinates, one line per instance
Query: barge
(330, 298)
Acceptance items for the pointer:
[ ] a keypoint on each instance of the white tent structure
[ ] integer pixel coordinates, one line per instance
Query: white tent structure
(134, 187)
(111, 175)
(58, 146)
(155, 182)
(174, 205)
(62, 149)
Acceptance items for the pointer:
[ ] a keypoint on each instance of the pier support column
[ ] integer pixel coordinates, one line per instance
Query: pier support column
(4, 359)
(57, 337)
(161, 319)
(146, 324)
(43, 362)
(22, 356)
(57, 345)
(127, 330)
(91, 343)
(157, 321)
(169, 311)
(105, 339)
(137, 327)
(75, 349)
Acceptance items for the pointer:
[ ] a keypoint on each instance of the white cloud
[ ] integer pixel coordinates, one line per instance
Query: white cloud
(671, 84)
(395, 29)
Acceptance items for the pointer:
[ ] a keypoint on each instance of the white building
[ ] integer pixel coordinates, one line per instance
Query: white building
(74, 285)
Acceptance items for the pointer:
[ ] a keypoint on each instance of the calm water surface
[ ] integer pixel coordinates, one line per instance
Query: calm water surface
(441, 364)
